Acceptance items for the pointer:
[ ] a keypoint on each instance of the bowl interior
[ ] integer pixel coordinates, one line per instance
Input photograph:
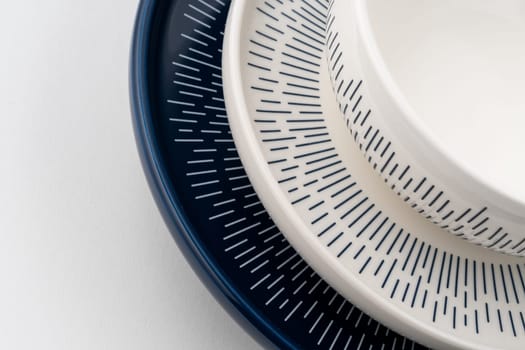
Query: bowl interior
(459, 64)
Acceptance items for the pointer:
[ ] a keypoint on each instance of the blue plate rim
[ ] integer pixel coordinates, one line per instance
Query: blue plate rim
(181, 230)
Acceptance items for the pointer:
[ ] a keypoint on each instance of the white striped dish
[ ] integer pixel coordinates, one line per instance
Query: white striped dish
(431, 286)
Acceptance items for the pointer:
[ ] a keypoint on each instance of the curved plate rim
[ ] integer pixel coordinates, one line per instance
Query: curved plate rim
(216, 283)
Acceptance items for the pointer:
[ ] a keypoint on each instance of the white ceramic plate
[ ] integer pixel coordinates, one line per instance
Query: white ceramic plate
(335, 210)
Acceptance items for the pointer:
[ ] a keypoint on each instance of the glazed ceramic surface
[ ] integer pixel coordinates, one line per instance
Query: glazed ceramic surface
(207, 200)
(442, 120)
(331, 205)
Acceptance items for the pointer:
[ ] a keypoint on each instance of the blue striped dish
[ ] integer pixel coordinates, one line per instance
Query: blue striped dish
(207, 201)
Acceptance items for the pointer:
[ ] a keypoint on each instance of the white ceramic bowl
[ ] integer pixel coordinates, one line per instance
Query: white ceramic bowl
(445, 120)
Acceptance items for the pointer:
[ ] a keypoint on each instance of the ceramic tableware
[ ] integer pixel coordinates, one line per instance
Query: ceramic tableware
(442, 121)
(206, 198)
(333, 208)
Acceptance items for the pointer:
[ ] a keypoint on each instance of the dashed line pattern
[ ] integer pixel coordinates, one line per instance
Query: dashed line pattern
(459, 292)
(218, 200)
(418, 190)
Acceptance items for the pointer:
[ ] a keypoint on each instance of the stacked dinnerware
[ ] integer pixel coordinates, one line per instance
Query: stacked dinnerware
(380, 141)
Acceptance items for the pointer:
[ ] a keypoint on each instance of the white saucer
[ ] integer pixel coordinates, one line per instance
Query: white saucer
(417, 279)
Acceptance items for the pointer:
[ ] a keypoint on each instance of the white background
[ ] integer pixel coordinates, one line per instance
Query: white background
(85, 259)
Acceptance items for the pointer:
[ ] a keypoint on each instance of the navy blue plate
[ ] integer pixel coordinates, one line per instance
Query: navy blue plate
(206, 198)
